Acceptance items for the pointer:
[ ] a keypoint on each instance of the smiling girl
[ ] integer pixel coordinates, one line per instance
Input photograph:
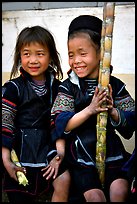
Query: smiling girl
(26, 105)
(74, 116)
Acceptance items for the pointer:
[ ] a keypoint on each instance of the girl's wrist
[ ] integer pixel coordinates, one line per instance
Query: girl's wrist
(59, 156)
(89, 111)
(114, 115)
(113, 111)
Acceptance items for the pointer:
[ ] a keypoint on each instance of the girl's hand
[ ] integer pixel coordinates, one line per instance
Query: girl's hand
(98, 99)
(112, 111)
(53, 167)
(110, 102)
(12, 169)
(9, 165)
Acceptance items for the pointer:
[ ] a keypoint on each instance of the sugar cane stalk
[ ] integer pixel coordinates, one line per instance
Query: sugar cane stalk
(104, 76)
(20, 175)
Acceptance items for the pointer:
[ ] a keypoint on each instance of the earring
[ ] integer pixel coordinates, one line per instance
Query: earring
(19, 64)
(50, 66)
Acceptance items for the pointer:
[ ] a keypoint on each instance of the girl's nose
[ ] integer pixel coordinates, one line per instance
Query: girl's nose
(77, 60)
(33, 59)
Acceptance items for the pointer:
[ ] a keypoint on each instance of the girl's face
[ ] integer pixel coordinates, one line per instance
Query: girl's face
(35, 59)
(83, 56)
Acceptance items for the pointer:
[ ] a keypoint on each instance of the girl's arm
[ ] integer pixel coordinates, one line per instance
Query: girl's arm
(93, 108)
(60, 146)
(52, 169)
(9, 165)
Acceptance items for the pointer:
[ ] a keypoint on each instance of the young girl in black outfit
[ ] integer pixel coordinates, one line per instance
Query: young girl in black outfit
(74, 116)
(26, 105)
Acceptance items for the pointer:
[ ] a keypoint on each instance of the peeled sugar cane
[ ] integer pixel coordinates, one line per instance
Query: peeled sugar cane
(20, 175)
(104, 76)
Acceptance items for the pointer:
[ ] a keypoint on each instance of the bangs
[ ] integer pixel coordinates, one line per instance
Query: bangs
(31, 37)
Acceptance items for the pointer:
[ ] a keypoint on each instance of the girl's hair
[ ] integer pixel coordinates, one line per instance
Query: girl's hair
(42, 36)
(94, 37)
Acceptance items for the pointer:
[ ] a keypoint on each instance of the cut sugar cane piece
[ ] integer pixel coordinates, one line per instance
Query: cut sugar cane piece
(105, 77)
(109, 26)
(103, 81)
(22, 178)
(108, 43)
(110, 8)
(106, 59)
(20, 175)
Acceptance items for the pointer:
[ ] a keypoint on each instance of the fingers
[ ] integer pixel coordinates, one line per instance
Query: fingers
(110, 90)
(99, 92)
(102, 97)
(50, 171)
(52, 168)
(50, 174)
(96, 91)
(109, 98)
(22, 169)
(98, 103)
(55, 174)
(99, 96)
(45, 168)
(103, 90)
(16, 169)
(47, 171)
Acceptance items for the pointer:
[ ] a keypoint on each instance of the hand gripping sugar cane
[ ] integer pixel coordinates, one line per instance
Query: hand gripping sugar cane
(20, 175)
(104, 75)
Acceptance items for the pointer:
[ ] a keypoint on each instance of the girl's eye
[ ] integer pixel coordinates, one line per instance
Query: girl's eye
(83, 54)
(26, 54)
(70, 56)
(41, 54)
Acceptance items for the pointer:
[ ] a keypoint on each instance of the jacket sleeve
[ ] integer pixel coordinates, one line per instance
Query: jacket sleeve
(126, 126)
(58, 131)
(9, 109)
(125, 105)
(61, 112)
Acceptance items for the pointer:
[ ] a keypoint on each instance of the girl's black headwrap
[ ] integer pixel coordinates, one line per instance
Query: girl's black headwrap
(85, 22)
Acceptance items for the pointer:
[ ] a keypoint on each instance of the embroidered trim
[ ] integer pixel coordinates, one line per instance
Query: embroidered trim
(8, 115)
(63, 102)
(125, 103)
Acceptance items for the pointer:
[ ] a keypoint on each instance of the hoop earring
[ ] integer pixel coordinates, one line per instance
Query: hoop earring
(51, 66)
(19, 64)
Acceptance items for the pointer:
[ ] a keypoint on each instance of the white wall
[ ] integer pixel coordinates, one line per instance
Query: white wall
(58, 20)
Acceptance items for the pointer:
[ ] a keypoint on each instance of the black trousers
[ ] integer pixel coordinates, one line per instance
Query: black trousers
(20, 197)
